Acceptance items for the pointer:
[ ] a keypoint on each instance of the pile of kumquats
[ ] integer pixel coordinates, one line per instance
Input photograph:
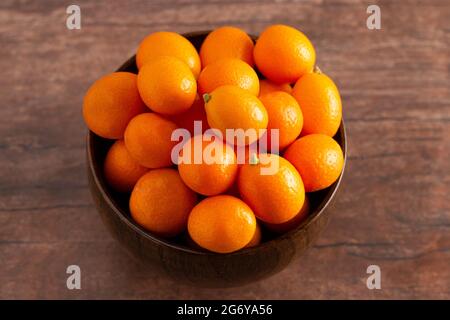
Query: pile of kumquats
(225, 143)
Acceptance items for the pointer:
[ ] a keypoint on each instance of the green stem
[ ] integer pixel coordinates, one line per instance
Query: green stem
(206, 97)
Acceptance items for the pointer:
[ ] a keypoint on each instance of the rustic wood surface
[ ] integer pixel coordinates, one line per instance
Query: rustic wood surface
(394, 206)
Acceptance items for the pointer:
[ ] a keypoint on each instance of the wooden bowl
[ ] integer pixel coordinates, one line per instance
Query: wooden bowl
(186, 263)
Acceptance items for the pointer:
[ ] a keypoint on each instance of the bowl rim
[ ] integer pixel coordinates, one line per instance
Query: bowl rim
(95, 171)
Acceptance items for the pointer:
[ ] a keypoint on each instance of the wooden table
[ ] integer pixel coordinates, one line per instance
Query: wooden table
(394, 207)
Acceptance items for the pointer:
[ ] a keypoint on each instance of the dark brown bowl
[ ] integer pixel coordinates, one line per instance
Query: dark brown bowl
(194, 266)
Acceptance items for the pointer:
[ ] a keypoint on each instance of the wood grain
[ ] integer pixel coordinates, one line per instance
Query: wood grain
(394, 206)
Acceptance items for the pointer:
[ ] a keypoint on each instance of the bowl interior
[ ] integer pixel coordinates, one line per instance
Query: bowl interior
(98, 147)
